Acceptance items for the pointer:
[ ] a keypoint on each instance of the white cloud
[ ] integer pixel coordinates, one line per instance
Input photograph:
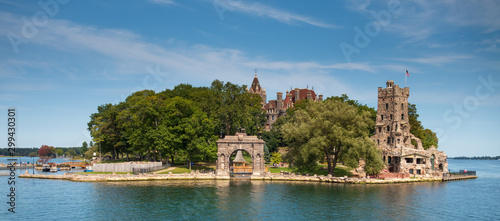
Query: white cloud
(163, 2)
(269, 12)
(120, 52)
(423, 19)
(435, 60)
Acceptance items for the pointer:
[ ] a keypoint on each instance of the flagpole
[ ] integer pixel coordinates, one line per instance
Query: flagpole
(405, 75)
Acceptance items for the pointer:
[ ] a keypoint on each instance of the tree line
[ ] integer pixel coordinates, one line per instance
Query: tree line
(182, 123)
(57, 151)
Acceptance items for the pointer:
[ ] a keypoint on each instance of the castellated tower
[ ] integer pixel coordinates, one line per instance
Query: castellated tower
(393, 137)
(392, 130)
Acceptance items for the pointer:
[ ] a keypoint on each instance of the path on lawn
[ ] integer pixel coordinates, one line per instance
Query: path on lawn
(164, 170)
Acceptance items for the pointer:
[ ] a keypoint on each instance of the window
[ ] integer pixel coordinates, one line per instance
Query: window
(411, 171)
(389, 160)
(398, 140)
(382, 117)
(432, 162)
(388, 128)
(273, 117)
(378, 141)
(418, 172)
(420, 161)
(390, 117)
(388, 140)
(380, 129)
(396, 128)
(409, 160)
(402, 107)
(386, 106)
(402, 116)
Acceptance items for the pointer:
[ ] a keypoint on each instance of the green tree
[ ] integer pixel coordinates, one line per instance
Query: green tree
(71, 153)
(333, 129)
(276, 158)
(427, 136)
(233, 108)
(84, 147)
(59, 151)
(361, 108)
(267, 156)
(32, 154)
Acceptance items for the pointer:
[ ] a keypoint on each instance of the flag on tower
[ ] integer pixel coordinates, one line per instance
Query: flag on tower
(407, 74)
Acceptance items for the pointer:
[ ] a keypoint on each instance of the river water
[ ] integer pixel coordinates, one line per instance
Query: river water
(477, 199)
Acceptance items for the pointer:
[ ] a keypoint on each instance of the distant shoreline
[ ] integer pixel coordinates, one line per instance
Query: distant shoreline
(475, 158)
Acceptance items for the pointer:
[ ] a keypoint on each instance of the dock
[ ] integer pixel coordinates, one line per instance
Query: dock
(460, 175)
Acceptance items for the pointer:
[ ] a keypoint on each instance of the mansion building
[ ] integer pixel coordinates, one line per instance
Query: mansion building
(277, 108)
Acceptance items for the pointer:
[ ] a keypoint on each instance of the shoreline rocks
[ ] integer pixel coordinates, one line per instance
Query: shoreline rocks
(202, 176)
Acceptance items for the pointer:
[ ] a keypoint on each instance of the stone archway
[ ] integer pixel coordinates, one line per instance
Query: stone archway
(251, 144)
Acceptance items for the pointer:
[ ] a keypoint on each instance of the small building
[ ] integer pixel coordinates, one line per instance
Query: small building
(393, 137)
(240, 165)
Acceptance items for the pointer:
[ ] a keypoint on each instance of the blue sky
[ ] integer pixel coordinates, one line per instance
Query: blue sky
(61, 59)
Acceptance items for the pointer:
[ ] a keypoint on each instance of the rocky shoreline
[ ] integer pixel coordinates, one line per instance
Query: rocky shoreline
(204, 176)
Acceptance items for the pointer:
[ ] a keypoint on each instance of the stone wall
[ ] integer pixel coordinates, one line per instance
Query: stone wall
(124, 167)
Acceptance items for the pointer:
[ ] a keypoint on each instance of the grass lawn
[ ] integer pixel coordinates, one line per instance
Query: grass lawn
(102, 172)
(340, 170)
(184, 169)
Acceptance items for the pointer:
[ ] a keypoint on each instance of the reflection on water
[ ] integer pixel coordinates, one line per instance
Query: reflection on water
(259, 200)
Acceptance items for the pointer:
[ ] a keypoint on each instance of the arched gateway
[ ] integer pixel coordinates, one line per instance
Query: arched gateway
(251, 144)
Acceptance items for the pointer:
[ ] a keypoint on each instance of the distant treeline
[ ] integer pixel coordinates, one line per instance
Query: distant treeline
(26, 151)
(477, 158)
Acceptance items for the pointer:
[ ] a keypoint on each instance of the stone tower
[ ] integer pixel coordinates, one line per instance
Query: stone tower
(393, 137)
(392, 130)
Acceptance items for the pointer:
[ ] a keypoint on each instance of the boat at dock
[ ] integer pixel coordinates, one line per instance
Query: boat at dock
(89, 169)
(46, 168)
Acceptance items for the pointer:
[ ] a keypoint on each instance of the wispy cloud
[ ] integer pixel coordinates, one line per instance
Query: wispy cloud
(435, 60)
(358, 5)
(270, 12)
(163, 2)
(425, 18)
(125, 52)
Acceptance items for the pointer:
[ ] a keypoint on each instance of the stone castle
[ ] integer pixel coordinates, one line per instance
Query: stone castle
(393, 137)
(392, 130)
(277, 108)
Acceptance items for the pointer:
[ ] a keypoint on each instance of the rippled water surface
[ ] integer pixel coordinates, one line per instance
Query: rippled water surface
(477, 199)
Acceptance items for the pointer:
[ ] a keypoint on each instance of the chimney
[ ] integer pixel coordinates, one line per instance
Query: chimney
(279, 102)
(309, 95)
(320, 97)
(297, 94)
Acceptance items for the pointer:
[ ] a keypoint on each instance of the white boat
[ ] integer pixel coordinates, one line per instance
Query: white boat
(53, 169)
(46, 168)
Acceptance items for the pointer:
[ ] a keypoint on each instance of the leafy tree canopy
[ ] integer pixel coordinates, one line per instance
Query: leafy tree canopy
(427, 136)
(183, 122)
(333, 129)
